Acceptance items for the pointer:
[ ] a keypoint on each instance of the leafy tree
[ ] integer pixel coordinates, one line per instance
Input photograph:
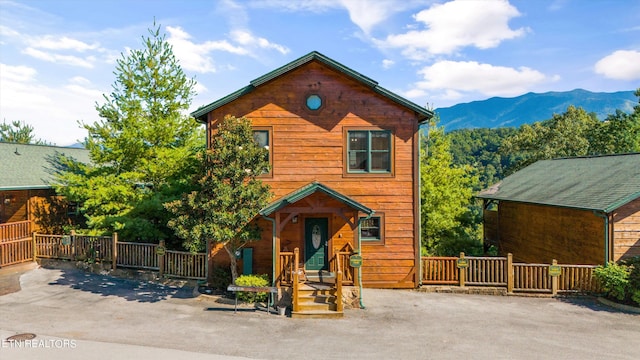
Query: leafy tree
(228, 196)
(618, 133)
(446, 192)
(143, 148)
(478, 148)
(18, 132)
(564, 135)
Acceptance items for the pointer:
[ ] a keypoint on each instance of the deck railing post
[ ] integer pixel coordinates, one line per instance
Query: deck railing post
(462, 272)
(339, 304)
(160, 253)
(35, 248)
(510, 273)
(114, 251)
(554, 280)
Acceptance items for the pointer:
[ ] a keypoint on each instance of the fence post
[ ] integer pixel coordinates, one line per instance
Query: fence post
(114, 251)
(72, 244)
(554, 280)
(510, 273)
(35, 249)
(462, 272)
(160, 253)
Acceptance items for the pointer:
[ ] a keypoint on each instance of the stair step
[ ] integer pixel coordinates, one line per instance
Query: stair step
(317, 314)
(317, 306)
(321, 299)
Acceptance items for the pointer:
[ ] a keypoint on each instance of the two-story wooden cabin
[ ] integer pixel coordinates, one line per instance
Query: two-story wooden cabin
(345, 172)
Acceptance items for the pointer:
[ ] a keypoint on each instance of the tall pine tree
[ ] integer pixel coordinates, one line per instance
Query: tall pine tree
(142, 148)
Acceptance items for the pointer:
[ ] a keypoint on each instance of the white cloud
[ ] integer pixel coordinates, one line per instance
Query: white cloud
(451, 26)
(620, 65)
(63, 43)
(17, 73)
(244, 37)
(86, 62)
(369, 13)
(387, 64)
(450, 79)
(52, 111)
(196, 57)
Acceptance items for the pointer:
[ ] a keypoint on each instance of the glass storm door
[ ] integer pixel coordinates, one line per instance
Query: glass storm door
(315, 243)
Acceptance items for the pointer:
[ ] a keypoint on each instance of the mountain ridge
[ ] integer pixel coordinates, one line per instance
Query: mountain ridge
(531, 107)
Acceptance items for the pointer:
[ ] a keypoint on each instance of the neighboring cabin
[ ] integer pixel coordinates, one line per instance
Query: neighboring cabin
(345, 169)
(25, 177)
(583, 210)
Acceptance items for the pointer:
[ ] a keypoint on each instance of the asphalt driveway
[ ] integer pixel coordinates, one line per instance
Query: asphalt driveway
(81, 315)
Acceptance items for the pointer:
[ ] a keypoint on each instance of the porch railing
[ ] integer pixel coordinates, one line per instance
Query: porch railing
(15, 230)
(340, 263)
(285, 273)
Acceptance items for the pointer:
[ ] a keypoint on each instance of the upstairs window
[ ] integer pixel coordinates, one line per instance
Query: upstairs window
(369, 151)
(262, 137)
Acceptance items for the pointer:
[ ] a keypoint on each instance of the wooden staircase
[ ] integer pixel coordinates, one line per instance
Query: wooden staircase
(318, 300)
(316, 294)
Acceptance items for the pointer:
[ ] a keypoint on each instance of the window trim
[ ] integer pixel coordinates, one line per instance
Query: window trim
(372, 241)
(345, 153)
(269, 130)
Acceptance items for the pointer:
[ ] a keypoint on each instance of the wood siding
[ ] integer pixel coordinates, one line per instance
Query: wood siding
(626, 231)
(21, 205)
(310, 145)
(538, 234)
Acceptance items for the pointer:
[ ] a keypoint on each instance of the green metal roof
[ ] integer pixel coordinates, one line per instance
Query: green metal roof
(201, 112)
(602, 183)
(26, 166)
(307, 190)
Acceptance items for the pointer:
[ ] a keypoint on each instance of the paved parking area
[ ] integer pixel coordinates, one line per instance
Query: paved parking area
(105, 317)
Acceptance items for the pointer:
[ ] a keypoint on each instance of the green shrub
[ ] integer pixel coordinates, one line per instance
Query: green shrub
(634, 278)
(614, 279)
(253, 280)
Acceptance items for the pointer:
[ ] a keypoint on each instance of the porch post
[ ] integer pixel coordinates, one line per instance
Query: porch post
(276, 251)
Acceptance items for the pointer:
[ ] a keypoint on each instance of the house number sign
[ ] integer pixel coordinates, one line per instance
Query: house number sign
(355, 261)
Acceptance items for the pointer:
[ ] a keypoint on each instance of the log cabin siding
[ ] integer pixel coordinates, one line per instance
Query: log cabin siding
(310, 146)
(626, 231)
(538, 234)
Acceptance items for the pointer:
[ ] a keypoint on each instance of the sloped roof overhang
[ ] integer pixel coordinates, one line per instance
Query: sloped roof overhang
(308, 190)
(424, 114)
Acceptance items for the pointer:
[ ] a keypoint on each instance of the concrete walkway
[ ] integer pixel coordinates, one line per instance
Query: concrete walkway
(111, 318)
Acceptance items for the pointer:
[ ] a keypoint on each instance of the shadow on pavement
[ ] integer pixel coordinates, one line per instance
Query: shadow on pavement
(590, 303)
(130, 290)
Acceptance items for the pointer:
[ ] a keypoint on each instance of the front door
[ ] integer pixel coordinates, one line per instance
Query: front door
(315, 243)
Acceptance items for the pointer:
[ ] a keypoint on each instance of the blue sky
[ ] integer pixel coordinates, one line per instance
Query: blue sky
(57, 57)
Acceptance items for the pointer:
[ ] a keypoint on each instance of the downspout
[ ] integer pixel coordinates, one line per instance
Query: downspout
(273, 254)
(606, 234)
(360, 253)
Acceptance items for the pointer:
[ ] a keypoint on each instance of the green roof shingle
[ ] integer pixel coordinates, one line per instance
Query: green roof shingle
(602, 183)
(26, 166)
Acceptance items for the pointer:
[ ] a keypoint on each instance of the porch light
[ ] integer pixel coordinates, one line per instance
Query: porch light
(294, 220)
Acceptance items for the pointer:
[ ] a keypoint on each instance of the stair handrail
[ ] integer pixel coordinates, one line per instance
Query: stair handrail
(339, 305)
(295, 281)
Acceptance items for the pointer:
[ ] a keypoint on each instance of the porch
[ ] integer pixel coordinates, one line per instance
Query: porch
(314, 234)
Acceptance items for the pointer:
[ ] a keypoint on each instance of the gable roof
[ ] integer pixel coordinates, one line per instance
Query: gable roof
(308, 190)
(200, 113)
(26, 166)
(602, 183)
